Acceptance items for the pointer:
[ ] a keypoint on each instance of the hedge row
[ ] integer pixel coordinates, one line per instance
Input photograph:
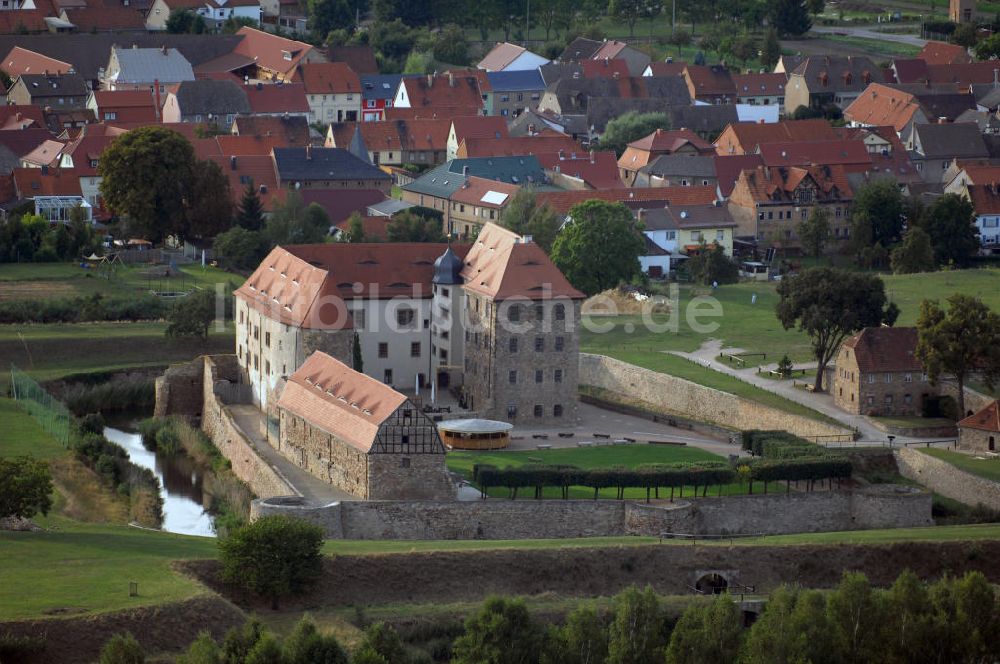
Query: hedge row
(82, 309)
(778, 445)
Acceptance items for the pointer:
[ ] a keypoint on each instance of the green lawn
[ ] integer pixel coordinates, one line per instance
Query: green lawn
(986, 468)
(880, 47)
(20, 434)
(629, 456)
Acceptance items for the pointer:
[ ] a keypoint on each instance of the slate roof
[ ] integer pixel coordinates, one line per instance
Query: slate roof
(144, 65)
(580, 48)
(443, 180)
(698, 166)
(207, 96)
(706, 120)
(840, 73)
(516, 81)
(42, 87)
(304, 164)
(885, 349)
(340, 401)
(948, 141)
(987, 419)
(380, 86)
(986, 120)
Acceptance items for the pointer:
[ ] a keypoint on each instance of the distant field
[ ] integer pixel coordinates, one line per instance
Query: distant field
(876, 46)
(986, 468)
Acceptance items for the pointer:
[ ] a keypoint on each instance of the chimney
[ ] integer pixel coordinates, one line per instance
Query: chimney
(263, 189)
(163, 50)
(592, 156)
(45, 169)
(451, 79)
(562, 155)
(260, 86)
(465, 171)
(156, 96)
(232, 162)
(309, 154)
(615, 75)
(942, 120)
(531, 129)
(430, 80)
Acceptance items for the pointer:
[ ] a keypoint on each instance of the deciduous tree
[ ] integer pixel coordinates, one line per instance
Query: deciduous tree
(273, 556)
(501, 632)
(294, 222)
(636, 634)
(914, 254)
(790, 17)
(950, 223)
(814, 231)
(305, 645)
(209, 209)
(122, 649)
(25, 487)
(192, 315)
(711, 265)
(599, 247)
(956, 342)
(771, 50)
(707, 634)
(829, 305)
(631, 126)
(409, 227)
(877, 214)
(384, 640)
(524, 216)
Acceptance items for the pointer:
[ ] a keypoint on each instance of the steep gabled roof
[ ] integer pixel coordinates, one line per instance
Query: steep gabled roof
(309, 163)
(750, 85)
(885, 349)
(394, 134)
(207, 96)
(985, 198)
(346, 403)
(806, 153)
(749, 135)
(598, 170)
(457, 90)
(707, 81)
(272, 52)
(327, 78)
(943, 53)
(948, 141)
(277, 98)
(831, 73)
(360, 58)
(501, 55)
(144, 65)
(562, 201)
(22, 61)
(883, 105)
(516, 146)
(293, 130)
(987, 419)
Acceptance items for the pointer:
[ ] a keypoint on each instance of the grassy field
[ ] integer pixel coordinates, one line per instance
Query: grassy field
(20, 434)
(628, 456)
(986, 468)
(47, 280)
(888, 48)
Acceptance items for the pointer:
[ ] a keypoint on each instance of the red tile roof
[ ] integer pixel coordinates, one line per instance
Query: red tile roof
(709, 81)
(373, 227)
(32, 20)
(751, 85)
(675, 68)
(16, 117)
(243, 169)
(985, 198)
(562, 201)
(516, 146)
(823, 153)
(883, 105)
(345, 403)
(277, 98)
(962, 75)
(610, 50)
(475, 189)
(501, 266)
(327, 77)
(46, 154)
(604, 68)
(394, 134)
(268, 51)
(885, 349)
(361, 59)
(666, 141)
(340, 204)
(439, 91)
(29, 182)
(746, 136)
(598, 170)
(105, 18)
(777, 184)
(987, 419)
(500, 56)
(22, 141)
(293, 130)
(479, 126)
(22, 61)
(729, 167)
(910, 70)
(942, 53)
(250, 145)
(127, 105)
(431, 112)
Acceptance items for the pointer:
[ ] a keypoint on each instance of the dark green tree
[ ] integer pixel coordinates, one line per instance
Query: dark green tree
(829, 305)
(914, 254)
(857, 619)
(305, 645)
(25, 487)
(273, 556)
(582, 639)
(631, 126)
(950, 223)
(357, 359)
(267, 650)
(409, 227)
(239, 641)
(790, 17)
(192, 315)
(630, 12)
(599, 247)
(814, 231)
(367, 655)
(877, 214)
(524, 216)
(122, 649)
(209, 203)
(240, 249)
(327, 15)
(203, 650)
(294, 222)
(384, 640)
(501, 632)
(707, 634)
(250, 214)
(636, 634)
(451, 46)
(956, 342)
(146, 175)
(965, 35)
(771, 50)
(355, 230)
(711, 265)
(184, 21)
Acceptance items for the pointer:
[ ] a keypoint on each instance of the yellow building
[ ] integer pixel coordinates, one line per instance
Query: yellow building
(675, 232)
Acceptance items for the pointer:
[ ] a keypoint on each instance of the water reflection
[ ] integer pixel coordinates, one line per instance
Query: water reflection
(181, 485)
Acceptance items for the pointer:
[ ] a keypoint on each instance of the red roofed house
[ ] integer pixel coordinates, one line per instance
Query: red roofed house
(516, 146)
(618, 50)
(22, 61)
(360, 435)
(562, 201)
(851, 154)
(878, 373)
(605, 68)
(474, 126)
(251, 170)
(881, 105)
(407, 304)
(760, 89)
(277, 99)
(293, 130)
(985, 199)
(276, 58)
(710, 84)
(744, 137)
(581, 170)
(660, 142)
(333, 91)
(768, 203)
(14, 117)
(395, 142)
(510, 57)
(979, 432)
(105, 18)
(433, 91)
(943, 53)
(123, 106)
(477, 202)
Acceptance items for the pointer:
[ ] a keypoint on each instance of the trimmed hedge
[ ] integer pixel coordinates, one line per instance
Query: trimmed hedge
(82, 309)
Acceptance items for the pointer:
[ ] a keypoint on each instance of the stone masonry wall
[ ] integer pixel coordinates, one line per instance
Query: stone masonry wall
(179, 391)
(946, 479)
(408, 477)
(820, 511)
(974, 401)
(322, 455)
(218, 423)
(687, 399)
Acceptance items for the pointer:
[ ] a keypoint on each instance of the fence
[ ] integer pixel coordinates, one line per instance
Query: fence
(44, 408)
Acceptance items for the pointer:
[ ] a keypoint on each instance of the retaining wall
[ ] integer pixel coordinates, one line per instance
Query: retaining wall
(672, 395)
(946, 479)
(876, 507)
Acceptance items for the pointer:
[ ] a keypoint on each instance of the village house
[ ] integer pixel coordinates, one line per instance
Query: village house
(509, 57)
(327, 168)
(476, 203)
(980, 431)
(360, 435)
(761, 89)
(683, 230)
(439, 91)
(678, 170)
(878, 374)
(213, 11)
(62, 91)
(394, 142)
(581, 170)
(216, 103)
(744, 137)
(903, 106)
(291, 130)
(144, 68)
(710, 84)
(661, 142)
(581, 49)
(123, 106)
(277, 99)
(378, 92)
(985, 199)
(511, 92)
(20, 61)
(546, 142)
(933, 147)
(333, 91)
(274, 58)
(473, 126)
(768, 204)
(829, 80)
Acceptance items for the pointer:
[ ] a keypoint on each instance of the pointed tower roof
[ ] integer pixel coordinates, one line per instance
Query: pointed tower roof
(358, 147)
(448, 268)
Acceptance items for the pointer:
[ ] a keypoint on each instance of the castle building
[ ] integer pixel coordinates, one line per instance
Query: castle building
(878, 373)
(496, 319)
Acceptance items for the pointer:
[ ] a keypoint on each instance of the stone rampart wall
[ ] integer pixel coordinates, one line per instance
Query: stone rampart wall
(946, 479)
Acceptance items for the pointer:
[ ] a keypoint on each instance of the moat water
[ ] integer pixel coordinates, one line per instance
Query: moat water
(180, 483)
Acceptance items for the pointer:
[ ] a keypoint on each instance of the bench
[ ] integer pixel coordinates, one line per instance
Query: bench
(630, 440)
(544, 447)
(620, 441)
(566, 435)
(666, 442)
(584, 443)
(540, 436)
(602, 435)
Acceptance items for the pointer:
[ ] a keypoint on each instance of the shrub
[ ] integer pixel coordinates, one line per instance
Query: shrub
(113, 395)
(92, 423)
(122, 649)
(273, 556)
